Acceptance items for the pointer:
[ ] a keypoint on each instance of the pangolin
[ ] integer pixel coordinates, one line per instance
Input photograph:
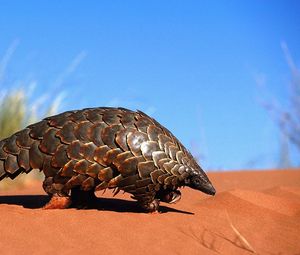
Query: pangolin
(93, 149)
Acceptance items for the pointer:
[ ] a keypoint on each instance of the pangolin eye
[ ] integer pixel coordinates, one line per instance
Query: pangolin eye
(196, 180)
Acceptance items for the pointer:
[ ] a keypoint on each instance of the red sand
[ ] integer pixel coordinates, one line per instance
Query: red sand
(253, 212)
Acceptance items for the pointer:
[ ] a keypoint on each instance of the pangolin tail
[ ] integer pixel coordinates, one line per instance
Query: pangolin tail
(14, 155)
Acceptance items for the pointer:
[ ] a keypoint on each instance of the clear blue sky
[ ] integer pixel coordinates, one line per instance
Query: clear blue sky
(193, 65)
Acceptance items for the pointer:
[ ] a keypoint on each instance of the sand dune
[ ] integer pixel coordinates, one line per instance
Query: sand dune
(252, 213)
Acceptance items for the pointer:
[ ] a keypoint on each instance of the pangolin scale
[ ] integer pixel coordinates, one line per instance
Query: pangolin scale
(93, 149)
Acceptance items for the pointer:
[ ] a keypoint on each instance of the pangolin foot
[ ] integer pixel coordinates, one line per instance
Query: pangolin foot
(83, 199)
(58, 202)
(151, 207)
(171, 197)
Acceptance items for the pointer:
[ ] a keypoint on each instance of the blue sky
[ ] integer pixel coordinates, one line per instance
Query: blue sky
(193, 65)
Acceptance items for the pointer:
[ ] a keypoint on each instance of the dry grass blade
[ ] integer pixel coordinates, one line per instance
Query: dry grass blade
(206, 238)
(286, 115)
(240, 237)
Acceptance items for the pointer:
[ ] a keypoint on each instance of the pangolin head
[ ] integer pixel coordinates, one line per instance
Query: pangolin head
(197, 179)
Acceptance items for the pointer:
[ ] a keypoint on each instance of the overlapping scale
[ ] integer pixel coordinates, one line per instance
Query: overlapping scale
(66, 134)
(3, 154)
(145, 168)
(2, 170)
(50, 142)
(87, 150)
(23, 159)
(108, 135)
(100, 153)
(111, 117)
(120, 158)
(94, 169)
(11, 146)
(173, 151)
(36, 157)
(155, 174)
(105, 174)
(94, 133)
(11, 164)
(38, 130)
(68, 169)
(48, 168)
(74, 149)
(142, 123)
(93, 116)
(128, 119)
(153, 132)
(162, 140)
(134, 141)
(111, 155)
(113, 183)
(81, 131)
(162, 178)
(121, 138)
(88, 184)
(157, 156)
(81, 166)
(148, 147)
(77, 116)
(130, 165)
(59, 120)
(60, 157)
(23, 139)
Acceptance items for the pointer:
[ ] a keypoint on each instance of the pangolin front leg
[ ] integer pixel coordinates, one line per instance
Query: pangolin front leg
(149, 204)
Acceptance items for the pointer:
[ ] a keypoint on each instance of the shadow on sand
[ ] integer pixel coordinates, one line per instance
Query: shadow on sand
(103, 204)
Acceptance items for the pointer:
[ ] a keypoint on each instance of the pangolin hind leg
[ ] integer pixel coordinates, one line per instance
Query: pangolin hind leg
(58, 202)
(60, 199)
(64, 196)
(83, 199)
(79, 198)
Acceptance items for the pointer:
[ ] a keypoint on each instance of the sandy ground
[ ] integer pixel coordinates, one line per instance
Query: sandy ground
(253, 213)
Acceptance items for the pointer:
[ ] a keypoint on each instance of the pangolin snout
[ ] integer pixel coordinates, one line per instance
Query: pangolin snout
(201, 182)
(208, 188)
